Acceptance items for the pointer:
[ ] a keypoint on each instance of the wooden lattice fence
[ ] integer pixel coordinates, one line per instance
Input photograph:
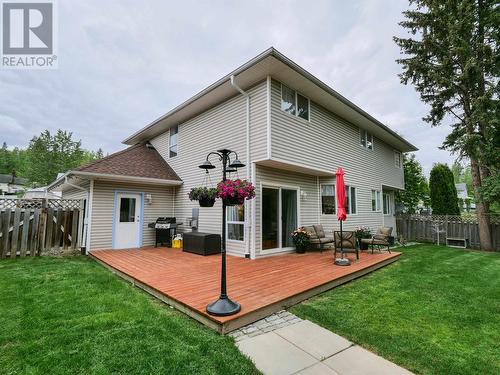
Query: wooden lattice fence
(31, 228)
(427, 228)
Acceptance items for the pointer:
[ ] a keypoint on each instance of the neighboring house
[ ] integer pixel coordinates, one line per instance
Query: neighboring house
(466, 201)
(462, 190)
(41, 193)
(290, 129)
(12, 185)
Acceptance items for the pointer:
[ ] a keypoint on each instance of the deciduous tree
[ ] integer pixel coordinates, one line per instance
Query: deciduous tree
(416, 188)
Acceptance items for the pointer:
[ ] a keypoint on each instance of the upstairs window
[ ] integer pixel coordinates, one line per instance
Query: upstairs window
(173, 141)
(366, 139)
(350, 204)
(397, 159)
(294, 103)
(375, 200)
(328, 199)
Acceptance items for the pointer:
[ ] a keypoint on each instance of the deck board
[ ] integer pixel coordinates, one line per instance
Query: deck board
(260, 286)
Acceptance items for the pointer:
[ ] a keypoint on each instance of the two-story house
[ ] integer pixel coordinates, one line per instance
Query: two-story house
(290, 129)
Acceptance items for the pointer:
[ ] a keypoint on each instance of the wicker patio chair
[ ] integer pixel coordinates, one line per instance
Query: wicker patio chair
(381, 239)
(347, 241)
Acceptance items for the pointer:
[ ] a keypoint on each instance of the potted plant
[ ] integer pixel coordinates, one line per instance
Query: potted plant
(301, 239)
(206, 196)
(234, 192)
(360, 233)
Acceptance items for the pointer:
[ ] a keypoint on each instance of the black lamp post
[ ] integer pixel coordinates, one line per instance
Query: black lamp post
(223, 306)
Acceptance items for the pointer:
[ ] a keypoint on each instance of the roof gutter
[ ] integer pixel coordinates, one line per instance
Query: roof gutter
(106, 176)
(126, 178)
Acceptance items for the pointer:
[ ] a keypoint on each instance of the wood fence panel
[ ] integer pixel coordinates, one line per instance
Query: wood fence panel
(15, 233)
(74, 229)
(49, 237)
(5, 232)
(65, 229)
(25, 231)
(58, 232)
(30, 228)
(429, 228)
(34, 245)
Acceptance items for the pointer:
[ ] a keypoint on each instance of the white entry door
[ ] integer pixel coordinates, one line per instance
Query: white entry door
(127, 226)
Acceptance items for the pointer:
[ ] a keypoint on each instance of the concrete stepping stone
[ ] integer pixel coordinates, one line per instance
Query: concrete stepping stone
(313, 339)
(359, 361)
(273, 355)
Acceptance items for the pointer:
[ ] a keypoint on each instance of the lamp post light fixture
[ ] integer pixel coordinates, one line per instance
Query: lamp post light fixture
(223, 306)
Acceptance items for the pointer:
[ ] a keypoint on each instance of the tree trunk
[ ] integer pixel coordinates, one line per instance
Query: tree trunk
(481, 209)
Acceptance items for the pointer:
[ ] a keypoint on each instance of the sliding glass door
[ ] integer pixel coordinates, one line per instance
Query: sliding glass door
(279, 217)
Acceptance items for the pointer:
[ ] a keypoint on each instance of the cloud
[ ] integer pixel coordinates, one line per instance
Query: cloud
(123, 63)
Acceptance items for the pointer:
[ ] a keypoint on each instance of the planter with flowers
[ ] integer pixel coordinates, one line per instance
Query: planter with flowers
(235, 192)
(301, 239)
(205, 196)
(360, 233)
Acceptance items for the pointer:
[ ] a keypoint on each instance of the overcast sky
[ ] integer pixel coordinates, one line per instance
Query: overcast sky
(123, 63)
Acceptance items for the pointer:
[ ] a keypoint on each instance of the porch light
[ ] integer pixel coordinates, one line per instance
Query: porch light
(207, 165)
(236, 164)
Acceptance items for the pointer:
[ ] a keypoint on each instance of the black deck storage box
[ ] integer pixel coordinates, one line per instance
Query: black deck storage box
(201, 243)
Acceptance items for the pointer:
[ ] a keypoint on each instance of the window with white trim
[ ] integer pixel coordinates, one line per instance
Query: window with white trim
(328, 199)
(387, 203)
(366, 139)
(294, 103)
(173, 141)
(235, 223)
(397, 159)
(376, 200)
(350, 204)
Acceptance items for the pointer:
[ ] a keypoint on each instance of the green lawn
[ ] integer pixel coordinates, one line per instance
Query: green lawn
(435, 311)
(72, 316)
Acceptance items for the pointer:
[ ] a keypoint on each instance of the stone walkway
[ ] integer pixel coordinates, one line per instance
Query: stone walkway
(283, 344)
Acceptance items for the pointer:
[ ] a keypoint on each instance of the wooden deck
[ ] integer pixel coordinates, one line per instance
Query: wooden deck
(263, 286)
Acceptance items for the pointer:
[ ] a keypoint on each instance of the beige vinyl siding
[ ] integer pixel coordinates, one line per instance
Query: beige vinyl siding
(308, 213)
(258, 122)
(103, 207)
(74, 193)
(162, 145)
(223, 126)
(328, 142)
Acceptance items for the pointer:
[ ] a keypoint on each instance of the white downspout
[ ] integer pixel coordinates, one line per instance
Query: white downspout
(249, 164)
(89, 217)
(66, 182)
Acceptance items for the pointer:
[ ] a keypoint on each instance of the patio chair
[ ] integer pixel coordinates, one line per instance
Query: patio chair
(346, 241)
(381, 239)
(318, 236)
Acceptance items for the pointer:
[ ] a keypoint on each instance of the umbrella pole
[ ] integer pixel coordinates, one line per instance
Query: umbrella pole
(342, 261)
(341, 241)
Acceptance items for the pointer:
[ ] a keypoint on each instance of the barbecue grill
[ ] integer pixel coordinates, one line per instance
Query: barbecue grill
(166, 228)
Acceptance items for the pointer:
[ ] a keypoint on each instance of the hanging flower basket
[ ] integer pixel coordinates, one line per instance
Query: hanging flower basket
(205, 196)
(235, 192)
(207, 202)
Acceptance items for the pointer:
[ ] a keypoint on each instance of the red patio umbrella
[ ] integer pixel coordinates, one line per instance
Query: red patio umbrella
(341, 212)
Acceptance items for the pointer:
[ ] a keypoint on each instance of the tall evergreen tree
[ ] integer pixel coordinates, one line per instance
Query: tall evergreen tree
(452, 59)
(443, 193)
